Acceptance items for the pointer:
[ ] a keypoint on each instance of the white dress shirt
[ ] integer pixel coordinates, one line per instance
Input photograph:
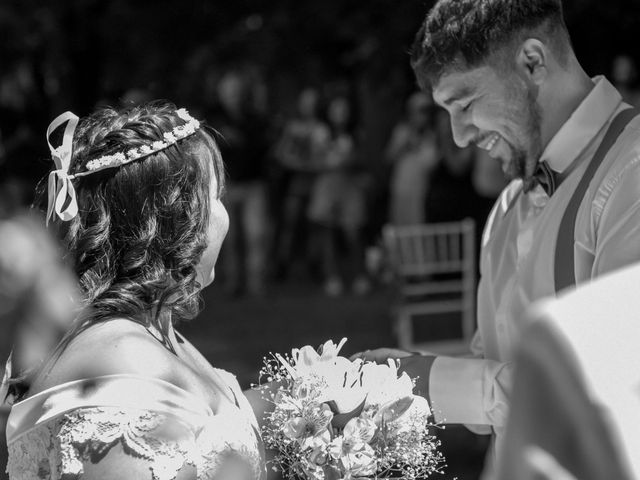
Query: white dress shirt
(517, 256)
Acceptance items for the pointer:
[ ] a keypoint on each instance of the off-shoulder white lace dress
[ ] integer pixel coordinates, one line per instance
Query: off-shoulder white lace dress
(55, 433)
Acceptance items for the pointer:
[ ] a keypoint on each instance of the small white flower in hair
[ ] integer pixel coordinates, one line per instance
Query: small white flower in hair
(92, 164)
(120, 158)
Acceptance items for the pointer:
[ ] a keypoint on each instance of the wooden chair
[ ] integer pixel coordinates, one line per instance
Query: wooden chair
(434, 269)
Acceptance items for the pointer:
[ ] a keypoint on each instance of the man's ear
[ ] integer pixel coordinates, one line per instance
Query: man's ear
(531, 59)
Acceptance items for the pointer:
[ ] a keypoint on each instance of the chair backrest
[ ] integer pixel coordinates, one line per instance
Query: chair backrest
(431, 248)
(434, 266)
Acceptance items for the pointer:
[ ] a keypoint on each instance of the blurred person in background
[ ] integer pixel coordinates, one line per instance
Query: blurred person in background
(451, 196)
(624, 76)
(37, 304)
(21, 109)
(22, 106)
(244, 146)
(16, 92)
(16, 193)
(135, 96)
(413, 154)
(466, 182)
(37, 292)
(136, 201)
(338, 203)
(299, 152)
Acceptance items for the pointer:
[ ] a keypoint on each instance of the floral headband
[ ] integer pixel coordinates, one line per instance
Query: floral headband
(62, 195)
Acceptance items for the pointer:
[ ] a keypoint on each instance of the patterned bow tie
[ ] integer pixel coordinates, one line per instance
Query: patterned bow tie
(547, 178)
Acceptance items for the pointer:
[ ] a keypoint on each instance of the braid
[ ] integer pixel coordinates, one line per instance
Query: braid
(141, 228)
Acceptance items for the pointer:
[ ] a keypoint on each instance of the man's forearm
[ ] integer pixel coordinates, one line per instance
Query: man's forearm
(461, 390)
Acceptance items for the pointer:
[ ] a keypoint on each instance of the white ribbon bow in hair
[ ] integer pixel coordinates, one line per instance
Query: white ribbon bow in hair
(62, 196)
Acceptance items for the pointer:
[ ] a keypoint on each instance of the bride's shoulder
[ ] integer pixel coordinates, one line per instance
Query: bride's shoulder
(118, 346)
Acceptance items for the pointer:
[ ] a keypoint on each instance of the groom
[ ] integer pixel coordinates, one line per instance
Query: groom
(507, 75)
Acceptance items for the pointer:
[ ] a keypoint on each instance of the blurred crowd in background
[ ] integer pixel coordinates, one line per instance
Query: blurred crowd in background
(304, 192)
(324, 135)
(301, 188)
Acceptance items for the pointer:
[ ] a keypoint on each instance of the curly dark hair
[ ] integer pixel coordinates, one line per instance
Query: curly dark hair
(464, 33)
(141, 228)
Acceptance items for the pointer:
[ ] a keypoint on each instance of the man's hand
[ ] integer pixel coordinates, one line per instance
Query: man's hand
(381, 355)
(416, 365)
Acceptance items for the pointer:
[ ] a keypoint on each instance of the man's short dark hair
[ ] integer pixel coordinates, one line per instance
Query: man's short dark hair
(464, 33)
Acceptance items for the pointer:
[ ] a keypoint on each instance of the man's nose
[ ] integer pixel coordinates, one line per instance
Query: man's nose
(463, 131)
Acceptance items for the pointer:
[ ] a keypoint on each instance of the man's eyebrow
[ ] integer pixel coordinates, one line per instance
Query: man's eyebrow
(457, 94)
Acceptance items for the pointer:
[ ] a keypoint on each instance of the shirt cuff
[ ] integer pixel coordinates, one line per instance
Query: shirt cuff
(456, 387)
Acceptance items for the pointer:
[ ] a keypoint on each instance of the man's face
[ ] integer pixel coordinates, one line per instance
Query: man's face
(495, 111)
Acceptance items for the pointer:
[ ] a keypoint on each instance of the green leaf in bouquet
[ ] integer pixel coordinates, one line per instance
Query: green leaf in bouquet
(340, 419)
(393, 411)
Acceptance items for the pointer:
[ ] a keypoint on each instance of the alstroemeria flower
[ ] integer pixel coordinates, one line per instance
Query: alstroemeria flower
(308, 388)
(296, 428)
(355, 438)
(318, 455)
(359, 430)
(311, 471)
(313, 422)
(361, 463)
(319, 441)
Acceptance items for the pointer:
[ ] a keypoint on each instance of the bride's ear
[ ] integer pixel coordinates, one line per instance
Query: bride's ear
(203, 278)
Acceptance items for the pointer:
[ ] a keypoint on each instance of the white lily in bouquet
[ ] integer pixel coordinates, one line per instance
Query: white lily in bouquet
(335, 418)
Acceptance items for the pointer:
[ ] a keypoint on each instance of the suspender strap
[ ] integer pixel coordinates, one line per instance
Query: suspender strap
(564, 262)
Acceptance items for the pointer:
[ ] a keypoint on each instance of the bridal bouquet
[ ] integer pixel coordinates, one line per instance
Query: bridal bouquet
(340, 419)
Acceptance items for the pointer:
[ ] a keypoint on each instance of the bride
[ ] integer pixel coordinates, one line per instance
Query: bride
(136, 200)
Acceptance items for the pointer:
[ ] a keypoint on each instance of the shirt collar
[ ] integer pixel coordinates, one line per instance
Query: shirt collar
(583, 125)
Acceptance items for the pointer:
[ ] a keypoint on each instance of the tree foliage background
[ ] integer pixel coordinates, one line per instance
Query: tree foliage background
(82, 52)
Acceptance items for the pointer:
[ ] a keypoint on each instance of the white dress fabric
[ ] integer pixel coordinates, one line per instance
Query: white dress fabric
(55, 433)
(577, 388)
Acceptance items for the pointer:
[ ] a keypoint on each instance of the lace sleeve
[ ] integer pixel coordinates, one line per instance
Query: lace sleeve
(84, 435)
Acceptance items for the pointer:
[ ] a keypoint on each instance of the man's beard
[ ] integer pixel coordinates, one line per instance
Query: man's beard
(524, 160)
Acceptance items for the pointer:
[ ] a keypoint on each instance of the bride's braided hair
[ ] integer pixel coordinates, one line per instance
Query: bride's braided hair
(141, 228)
